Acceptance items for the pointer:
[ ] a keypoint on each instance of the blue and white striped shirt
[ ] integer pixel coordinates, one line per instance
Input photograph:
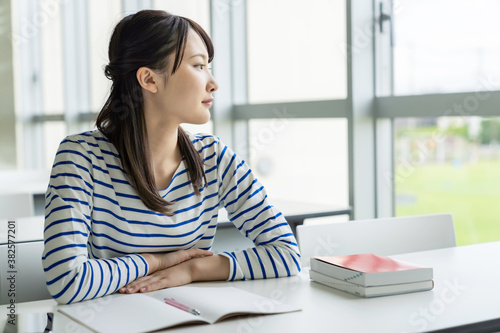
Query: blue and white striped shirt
(96, 224)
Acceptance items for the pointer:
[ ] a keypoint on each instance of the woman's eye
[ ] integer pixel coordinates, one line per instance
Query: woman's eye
(200, 66)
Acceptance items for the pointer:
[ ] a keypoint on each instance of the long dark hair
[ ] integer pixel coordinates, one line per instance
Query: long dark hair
(145, 39)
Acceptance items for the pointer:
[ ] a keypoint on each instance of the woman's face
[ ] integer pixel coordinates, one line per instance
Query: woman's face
(188, 94)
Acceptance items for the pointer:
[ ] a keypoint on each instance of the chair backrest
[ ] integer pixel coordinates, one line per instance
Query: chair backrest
(27, 275)
(384, 236)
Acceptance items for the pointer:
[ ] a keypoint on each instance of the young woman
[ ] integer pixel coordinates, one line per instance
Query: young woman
(133, 206)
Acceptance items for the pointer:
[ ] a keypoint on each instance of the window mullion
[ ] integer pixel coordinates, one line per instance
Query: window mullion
(220, 18)
(474, 103)
(361, 95)
(304, 109)
(76, 64)
(239, 54)
(30, 70)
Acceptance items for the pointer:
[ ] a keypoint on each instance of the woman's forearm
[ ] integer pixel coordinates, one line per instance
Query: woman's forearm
(213, 268)
(209, 268)
(161, 261)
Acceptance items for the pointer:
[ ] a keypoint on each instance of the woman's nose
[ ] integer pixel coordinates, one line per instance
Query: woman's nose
(212, 84)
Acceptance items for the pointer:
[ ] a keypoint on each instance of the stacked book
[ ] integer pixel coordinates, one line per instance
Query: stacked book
(370, 275)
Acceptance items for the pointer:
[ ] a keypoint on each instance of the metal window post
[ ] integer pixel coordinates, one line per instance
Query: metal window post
(361, 96)
(221, 12)
(27, 41)
(75, 63)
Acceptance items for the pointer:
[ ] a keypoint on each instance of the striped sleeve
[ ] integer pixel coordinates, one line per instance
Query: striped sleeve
(276, 251)
(71, 274)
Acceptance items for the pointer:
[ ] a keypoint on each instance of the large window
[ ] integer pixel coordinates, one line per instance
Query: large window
(295, 50)
(445, 142)
(444, 45)
(301, 160)
(450, 164)
(60, 50)
(297, 54)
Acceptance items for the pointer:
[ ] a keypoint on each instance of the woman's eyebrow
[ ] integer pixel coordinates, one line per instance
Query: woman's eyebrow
(199, 55)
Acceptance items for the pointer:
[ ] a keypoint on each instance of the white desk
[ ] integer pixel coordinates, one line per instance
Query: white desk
(27, 229)
(467, 291)
(27, 182)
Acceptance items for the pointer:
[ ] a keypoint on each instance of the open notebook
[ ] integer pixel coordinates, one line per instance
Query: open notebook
(149, 311)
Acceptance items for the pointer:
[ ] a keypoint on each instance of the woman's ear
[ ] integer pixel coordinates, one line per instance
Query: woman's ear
(147, 79)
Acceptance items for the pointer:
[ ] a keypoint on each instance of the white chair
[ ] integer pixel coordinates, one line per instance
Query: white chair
(384, 236)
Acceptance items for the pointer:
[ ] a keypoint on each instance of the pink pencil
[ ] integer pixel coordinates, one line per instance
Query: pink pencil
(174, 303)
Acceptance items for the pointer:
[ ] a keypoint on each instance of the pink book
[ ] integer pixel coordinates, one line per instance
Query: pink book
(370, 269)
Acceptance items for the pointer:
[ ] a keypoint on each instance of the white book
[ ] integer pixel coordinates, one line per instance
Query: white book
(145, 312)
(373, 291)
